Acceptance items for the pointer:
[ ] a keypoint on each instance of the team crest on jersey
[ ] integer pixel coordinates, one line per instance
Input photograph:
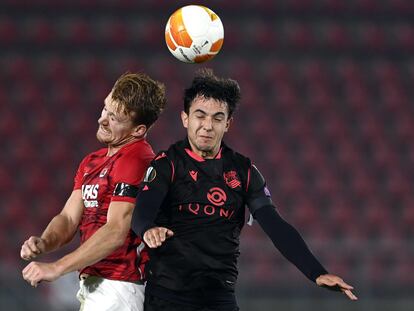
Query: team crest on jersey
(150, 174)
(232, 179)
(103, 172)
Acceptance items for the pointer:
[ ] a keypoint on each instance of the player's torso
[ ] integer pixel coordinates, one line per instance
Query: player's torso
(126, 262)
(205, 209)
(97, 190)
(205, 194)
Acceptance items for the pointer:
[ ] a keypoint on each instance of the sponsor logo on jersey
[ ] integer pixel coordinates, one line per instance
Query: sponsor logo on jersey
(217, 196)
(90, 195)
(231, 179)
(207, 210)
(150, 174)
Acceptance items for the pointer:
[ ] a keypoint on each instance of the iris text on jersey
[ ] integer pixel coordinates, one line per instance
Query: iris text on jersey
(89, 195)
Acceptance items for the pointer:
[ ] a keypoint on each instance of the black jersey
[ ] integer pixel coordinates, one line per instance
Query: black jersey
(204, 205)
(203, 202)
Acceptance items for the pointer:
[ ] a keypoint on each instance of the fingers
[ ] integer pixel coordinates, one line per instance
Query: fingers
(169, 233)
(154, 237)
(30, 248)
(31, 274)
(344, 285)
(336, 283)
(350, 294)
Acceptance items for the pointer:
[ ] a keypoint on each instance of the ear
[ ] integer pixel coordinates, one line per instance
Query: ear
(228, 123)
(184, 119)
(139, 131)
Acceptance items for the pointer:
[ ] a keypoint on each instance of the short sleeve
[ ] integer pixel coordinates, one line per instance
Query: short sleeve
(79, 174)
(129, 170)
(152, 193)
(160, 173)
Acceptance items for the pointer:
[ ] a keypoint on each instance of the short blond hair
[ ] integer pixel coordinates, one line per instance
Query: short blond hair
(140, 96)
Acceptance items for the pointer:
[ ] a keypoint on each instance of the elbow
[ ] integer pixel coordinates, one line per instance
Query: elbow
(119, 241)
(135, 228)
(140, 227)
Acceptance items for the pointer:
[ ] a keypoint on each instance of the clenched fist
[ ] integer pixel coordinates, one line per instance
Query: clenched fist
(32, 247)
(154, 237)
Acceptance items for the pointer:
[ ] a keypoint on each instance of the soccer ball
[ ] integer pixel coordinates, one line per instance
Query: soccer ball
(194, 34)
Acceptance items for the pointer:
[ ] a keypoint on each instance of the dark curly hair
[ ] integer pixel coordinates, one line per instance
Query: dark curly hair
(139, 94)
(206, 84)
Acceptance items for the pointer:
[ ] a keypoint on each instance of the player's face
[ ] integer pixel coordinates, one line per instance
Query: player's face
(206, 123)
(115, 127)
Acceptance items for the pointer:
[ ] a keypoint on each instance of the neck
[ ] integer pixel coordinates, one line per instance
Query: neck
(209, 154)
(112, 149)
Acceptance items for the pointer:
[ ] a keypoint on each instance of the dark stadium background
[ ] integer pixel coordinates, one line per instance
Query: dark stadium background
(327, 115)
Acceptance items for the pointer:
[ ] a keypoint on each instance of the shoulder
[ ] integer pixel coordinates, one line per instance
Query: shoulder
(162, 159)
(140, 151)
(98, 153)
(239, 158)
(139, 148)
(93, 155)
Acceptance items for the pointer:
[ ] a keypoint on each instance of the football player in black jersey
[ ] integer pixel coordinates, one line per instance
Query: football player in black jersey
(191, 209)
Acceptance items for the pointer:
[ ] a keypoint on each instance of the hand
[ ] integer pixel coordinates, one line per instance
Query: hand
(334, 282)
(154, 237)
(32, 247)
(35, 272)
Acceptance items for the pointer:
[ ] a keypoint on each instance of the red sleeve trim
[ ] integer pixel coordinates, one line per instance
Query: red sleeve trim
(123, 199)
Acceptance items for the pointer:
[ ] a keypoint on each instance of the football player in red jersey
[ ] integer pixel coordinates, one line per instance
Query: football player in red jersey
(111, 257)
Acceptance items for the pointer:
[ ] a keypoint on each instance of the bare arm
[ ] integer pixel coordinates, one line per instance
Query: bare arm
(102, 243)
(60, 230)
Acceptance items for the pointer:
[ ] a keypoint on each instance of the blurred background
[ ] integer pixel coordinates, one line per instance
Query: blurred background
(327, 115)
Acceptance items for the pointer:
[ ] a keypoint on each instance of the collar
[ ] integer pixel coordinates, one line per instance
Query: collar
(195, 156)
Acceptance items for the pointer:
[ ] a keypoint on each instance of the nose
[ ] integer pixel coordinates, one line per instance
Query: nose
(103, 119)
(208, 124)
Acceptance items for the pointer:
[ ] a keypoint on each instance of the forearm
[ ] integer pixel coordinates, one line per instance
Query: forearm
(102, 243)
(59, 232)
(289, 242)
(146, 210)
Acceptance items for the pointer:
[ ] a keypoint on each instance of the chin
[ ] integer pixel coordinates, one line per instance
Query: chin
(102, 139)
(206, 148)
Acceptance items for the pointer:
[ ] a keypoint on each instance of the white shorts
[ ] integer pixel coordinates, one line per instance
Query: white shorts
(97, 293)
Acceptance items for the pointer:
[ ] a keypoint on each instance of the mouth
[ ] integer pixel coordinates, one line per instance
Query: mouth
(103, 130)
(206, 138)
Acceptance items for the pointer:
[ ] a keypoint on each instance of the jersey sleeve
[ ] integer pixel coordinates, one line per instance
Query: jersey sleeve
(152, 193)
(283, 235)
(128, 172)
(78, 180)
(258, 195)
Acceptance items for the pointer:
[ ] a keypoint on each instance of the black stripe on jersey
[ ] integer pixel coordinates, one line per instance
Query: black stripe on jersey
(258, 203)
(125, 190)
